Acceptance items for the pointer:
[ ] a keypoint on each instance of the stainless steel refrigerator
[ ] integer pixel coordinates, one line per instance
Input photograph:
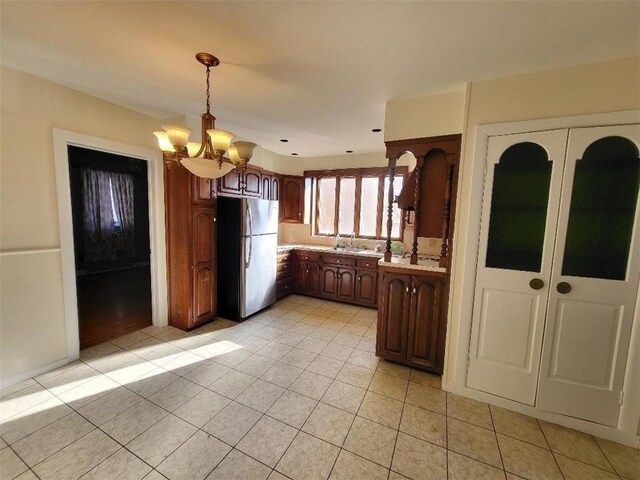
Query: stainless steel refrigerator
(247, 248)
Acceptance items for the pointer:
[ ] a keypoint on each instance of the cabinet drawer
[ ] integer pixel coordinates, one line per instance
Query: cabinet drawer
(284, 257)
(284, 270)
(308, 256)
(368, 263)
(340, 260)
(284, 287)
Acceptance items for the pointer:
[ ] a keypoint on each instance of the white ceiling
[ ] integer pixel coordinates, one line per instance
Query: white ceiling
(318, 73)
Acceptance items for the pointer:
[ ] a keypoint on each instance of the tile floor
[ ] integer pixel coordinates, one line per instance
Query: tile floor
(294, 392)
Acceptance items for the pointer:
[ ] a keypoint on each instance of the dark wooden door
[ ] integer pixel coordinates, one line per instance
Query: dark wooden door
(204, 292)
(313, 279)
(275, 188)
(426, 328)
(253, 183)
(393, 317)
(299, 277)
(202, 190)
(347, 284)
(266, 187)
(292, 199)
(230, 183)
(367, 287)
(329, 282)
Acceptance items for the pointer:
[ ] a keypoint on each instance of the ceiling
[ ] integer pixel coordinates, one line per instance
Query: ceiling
(315, 72)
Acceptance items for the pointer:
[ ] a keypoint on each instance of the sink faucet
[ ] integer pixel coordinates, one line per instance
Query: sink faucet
(353, 237)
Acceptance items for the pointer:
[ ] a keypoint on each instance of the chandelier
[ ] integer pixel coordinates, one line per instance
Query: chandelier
(205, 159)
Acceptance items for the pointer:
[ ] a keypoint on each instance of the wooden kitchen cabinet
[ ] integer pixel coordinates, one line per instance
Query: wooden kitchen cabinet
(291, 199)
(411, 326)
(252, 183)
(190, 225)
(346, 284)
(284, 274)
(337, 276)
(367, 287)
(231, 183)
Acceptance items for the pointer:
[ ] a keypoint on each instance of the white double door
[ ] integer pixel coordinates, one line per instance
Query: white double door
(558, 269)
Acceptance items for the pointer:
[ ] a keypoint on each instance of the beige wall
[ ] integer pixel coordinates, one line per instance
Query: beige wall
(32, 328)
(425, 116)
(586, 89)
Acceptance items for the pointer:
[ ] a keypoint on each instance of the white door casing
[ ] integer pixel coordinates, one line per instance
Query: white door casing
(588, 329)
(508, 314)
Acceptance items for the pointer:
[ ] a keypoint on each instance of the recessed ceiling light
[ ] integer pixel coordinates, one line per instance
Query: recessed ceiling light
(284, 140)
(349, 151)
(294, 153)
(376, 130)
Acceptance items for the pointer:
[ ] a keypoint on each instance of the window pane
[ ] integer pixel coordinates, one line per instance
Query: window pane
(397, 213)
(369, 206)
(347, 206)
(326, 205)
(519, 202)
(603, 204)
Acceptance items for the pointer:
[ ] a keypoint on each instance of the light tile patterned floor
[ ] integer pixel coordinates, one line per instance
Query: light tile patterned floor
(294, 392)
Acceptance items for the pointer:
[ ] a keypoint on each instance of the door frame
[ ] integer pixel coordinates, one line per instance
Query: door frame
(455, 378)
(62, 139)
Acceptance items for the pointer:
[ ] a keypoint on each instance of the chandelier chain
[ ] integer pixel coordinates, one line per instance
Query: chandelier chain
(208, 84)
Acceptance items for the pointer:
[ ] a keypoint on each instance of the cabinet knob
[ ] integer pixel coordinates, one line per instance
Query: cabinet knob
(407, 289)
(414, 290)
(563, 288)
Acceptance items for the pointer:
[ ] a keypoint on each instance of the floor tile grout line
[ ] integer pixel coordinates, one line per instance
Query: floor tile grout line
(395, 443)
(29, 468)
(615, 470)
(495, 435)
(550, 448)
(103, 432)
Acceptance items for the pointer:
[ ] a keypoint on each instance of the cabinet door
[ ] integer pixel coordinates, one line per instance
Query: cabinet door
(367, 287)
(292, 199)
(425, 345)
(203, 262)
(204, 295)
(329, 282)
(230, 183)
(202, 190)
(252, 183)
(299, 277)
(313, 279)
(275, 188)
(393, 317)
(347, 284)
(266, 187)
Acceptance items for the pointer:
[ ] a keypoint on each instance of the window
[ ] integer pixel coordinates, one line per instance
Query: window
(355, 201)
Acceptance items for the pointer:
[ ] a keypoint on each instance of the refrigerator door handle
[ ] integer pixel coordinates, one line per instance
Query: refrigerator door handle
(250, 222)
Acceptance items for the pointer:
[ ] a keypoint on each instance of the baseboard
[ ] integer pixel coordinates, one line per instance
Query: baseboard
(601, 431)
(7, 382)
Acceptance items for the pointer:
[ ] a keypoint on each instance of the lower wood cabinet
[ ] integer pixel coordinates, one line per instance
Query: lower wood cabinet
(284, 274)
(411, 320)
(336, 277)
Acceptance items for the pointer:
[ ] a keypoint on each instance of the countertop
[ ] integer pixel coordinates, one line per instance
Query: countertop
(425, 265)
(327, 249)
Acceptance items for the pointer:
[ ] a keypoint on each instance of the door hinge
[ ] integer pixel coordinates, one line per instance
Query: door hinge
(621, 396)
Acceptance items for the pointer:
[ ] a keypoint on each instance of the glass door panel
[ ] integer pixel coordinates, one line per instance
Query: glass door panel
(602, 211)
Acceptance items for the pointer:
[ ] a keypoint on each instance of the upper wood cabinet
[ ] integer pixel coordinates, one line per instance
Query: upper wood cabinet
(231, 183)
(258, 183)
(411, 327)
(291, 199)
(252, 183)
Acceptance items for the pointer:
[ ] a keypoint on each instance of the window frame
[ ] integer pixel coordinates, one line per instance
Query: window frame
(358, 173)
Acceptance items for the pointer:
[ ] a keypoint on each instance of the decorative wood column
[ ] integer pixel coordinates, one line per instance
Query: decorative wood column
(392, 173)
(444, 260)
(416, 208)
